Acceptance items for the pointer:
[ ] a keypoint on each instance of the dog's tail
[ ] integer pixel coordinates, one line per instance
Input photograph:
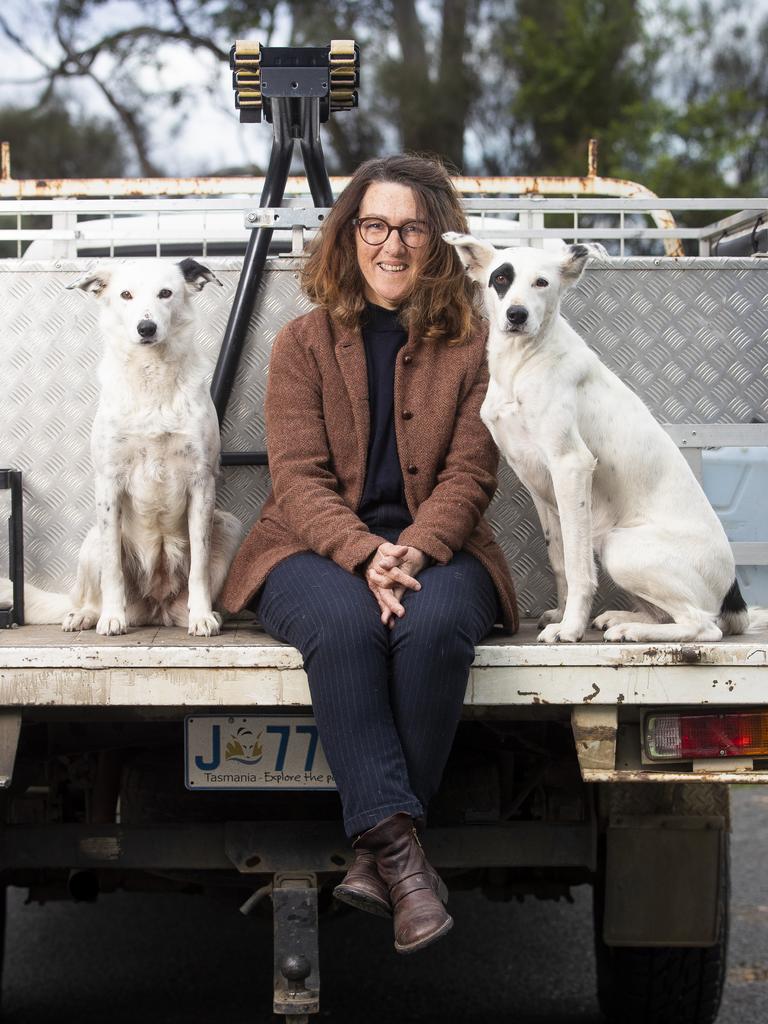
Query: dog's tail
(734, 615)
(41, 608)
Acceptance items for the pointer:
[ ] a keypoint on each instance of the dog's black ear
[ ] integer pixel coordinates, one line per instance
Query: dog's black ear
(95, 281)
(196, 274)
(573, 262)
(474, 254)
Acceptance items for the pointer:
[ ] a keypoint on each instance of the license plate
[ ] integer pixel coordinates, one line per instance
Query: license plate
(276, 752)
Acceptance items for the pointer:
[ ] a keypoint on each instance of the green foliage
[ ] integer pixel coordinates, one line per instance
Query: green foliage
(50, 142)
(676, 91)
(578, 65)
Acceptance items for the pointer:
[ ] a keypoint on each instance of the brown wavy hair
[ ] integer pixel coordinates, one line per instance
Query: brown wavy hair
(440, 305)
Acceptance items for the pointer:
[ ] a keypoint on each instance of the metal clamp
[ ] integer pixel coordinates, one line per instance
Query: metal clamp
(286, 217)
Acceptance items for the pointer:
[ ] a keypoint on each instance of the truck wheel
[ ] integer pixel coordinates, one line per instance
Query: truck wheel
(665, 984)
(3, 914)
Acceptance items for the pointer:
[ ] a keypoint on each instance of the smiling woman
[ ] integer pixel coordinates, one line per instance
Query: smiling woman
(389, 255)
(372, 555)
(357, 258)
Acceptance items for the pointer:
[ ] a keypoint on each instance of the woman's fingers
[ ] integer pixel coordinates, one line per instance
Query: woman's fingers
(401, 577)
(376, 578)
(395, 550)
(391, 578)
(389, 555)
(398, 593)
(392, 603)
(389, 603)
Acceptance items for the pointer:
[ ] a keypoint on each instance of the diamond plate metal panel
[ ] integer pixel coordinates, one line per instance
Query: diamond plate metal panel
(689, 335)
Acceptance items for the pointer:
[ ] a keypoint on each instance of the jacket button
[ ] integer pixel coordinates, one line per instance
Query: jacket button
(407, 359)
(407, 414)
(413, 470)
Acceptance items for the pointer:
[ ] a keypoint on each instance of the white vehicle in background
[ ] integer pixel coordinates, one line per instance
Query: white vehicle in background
(207, 228)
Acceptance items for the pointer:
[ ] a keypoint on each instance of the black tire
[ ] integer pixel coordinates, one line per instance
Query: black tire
(3, 926)
(664, 984)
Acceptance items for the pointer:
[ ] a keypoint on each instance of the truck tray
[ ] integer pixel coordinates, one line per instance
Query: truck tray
(166, 671)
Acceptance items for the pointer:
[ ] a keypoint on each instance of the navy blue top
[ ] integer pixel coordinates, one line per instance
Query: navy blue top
(383, 502)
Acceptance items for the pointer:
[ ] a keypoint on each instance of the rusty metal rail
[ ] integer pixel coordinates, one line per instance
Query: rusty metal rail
(590, 185)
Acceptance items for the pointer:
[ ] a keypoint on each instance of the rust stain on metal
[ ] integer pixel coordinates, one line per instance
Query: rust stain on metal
(592, 696)
(690, 655)
(101, 847)
(523, 185)
(728, 683)
(586, 734)
(537, 698)
(685, 654)
(52, 188)
(639, 775)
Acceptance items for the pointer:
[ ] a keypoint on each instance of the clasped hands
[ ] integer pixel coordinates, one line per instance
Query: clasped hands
(390, 572)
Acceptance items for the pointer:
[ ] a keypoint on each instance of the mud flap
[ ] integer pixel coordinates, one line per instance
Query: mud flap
(662, 880)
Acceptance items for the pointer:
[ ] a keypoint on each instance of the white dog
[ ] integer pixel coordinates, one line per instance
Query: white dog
(158, 553)
(603, 475)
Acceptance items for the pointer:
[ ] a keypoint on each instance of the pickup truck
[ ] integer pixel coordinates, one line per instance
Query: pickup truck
(155, 759)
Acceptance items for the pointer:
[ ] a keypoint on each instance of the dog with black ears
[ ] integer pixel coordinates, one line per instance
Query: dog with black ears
(605, 478)
(159, 551)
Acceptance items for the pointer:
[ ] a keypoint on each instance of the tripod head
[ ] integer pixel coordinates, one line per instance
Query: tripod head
(331, 74)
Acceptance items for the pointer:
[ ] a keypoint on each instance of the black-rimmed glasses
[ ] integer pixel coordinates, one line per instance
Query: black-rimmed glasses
(375, 231)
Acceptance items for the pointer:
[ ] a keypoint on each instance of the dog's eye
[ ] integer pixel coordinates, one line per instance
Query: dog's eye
(541, 282)
(125, 295)
(164, 293)
(500, 279)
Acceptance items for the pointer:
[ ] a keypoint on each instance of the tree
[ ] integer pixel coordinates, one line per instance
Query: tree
(711, 136)
(675, 90)
(577, 67)
(415, 64)
(50, 142)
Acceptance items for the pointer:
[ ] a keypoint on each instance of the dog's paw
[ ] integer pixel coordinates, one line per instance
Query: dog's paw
(625, 631)
(608, 619)
(204, 624)
(553, 615)
(81, 618)
(622, 631)
(111, 624)
(559, 633)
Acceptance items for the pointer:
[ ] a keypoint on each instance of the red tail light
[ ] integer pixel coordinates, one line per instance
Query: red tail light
(677, 737)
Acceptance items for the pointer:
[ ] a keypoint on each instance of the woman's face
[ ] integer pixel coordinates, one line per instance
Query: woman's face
(389, 268)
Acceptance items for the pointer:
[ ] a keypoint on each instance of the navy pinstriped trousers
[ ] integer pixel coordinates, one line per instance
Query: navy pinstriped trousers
(387, 702)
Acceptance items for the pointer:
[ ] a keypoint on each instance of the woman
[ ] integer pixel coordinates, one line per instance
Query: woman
(371, 555)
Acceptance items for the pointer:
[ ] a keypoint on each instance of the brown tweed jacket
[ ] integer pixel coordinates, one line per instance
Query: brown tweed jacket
(317, 420)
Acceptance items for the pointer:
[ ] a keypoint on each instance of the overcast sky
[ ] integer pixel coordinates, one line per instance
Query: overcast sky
(206, 139)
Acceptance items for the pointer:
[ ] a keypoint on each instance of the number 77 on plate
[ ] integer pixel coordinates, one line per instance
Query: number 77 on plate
(255, 752)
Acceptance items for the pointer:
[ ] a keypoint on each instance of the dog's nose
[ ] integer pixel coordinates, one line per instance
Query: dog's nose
(147, 328)
(517, 315)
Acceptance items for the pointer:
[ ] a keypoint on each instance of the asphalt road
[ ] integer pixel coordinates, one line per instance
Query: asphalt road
(186, 960)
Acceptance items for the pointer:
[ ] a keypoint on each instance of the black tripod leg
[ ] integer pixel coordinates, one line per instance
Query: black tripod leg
(253, 262)
(312, 154)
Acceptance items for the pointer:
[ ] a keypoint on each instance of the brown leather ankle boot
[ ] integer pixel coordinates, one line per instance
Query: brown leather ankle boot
(363, 888)
(420, 917)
